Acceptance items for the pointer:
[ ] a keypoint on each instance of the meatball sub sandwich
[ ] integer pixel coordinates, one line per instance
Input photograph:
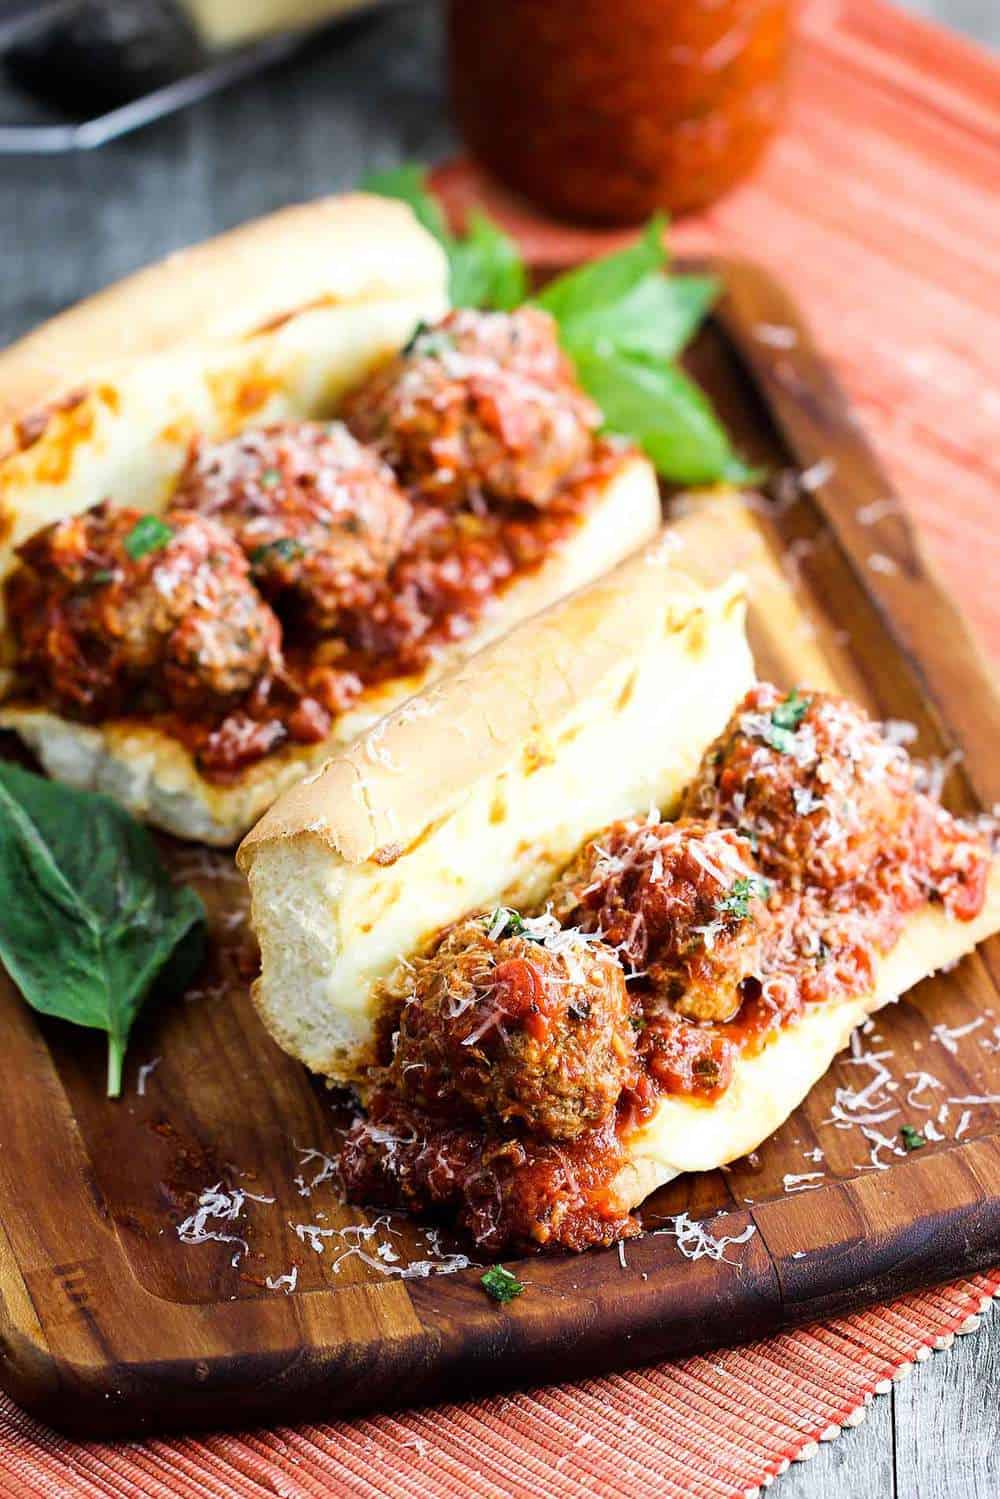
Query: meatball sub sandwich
(598, 909)
(256, 495)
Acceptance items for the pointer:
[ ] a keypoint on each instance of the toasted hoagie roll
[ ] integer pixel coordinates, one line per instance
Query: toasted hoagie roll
(598, 909)
(207, 581)
(483, 787)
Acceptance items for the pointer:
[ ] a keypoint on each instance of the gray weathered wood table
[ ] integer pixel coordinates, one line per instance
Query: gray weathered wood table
(72, 224)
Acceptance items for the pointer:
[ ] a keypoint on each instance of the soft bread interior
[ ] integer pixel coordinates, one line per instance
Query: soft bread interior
(156, 778)
(484, 788)
(683, 1135)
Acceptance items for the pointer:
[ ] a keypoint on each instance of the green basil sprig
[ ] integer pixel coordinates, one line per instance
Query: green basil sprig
(90, 921)
(485, 265)
(621, 319)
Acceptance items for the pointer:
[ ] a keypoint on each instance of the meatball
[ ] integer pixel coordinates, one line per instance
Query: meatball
(482, 404)
(510, 1027)
(515, 1192)
(682, 904)
(112, 608)
(320, 517)
(811, 780)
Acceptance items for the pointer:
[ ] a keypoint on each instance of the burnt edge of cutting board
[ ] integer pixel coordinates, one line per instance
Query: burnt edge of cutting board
(70, 1301)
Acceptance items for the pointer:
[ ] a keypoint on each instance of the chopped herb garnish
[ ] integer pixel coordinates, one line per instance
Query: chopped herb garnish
(414, 338)
(911, 1137)
(504, 921)
(741, 893)
(790, 713)
(270, 477)
(429, 342)
(285, 549)
(501, 1284)
(783, 740)
(149, 534)
(103, 575)
(750, 834)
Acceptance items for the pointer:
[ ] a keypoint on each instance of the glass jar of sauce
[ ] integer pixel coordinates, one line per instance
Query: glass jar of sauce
(605, 110)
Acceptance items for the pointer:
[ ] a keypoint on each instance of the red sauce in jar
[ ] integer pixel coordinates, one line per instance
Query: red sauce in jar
(606, 112)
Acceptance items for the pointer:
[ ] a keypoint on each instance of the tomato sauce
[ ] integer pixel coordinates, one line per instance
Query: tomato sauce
(455, 565)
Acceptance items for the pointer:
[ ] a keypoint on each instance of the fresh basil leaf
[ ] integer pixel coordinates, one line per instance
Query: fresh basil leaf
(486, 267)
(409, 184)
(284, 548)
(89, 918)
(661, 409)
(655, 319)
(605, 281)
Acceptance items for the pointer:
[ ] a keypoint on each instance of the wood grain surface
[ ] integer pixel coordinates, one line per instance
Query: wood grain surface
(111, 1323)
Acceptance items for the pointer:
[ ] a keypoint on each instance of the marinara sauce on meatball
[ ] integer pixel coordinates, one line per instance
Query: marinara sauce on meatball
(680, 902)
(112, 609)
(510, 1028)
(320, 517)
(481, 404)
(809, 778)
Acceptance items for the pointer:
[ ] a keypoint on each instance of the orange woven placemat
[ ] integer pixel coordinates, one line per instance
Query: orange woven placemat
(878, 209)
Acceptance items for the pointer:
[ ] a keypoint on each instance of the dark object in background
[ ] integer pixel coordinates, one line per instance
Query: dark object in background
(98, 56)
(76, 73)
(607, 110)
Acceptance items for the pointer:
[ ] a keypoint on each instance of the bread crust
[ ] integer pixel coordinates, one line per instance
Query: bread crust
(467, 727)
(337, 250)
(483, 788)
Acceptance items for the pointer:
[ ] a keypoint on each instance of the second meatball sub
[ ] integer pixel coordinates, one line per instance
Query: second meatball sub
(224, 561)
(619, 934)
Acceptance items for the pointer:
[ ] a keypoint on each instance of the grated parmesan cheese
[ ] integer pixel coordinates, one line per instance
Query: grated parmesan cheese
(948, 1036)
(146, 1071)
(695, 1242)
(805, 1181)
(215, 1203)
(286, 1283)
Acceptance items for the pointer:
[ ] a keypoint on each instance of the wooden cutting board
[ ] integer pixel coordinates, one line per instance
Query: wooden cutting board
(111, 1324)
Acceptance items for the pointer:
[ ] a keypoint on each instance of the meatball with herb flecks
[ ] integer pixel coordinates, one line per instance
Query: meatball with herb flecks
(113, 609)
(481, 406)
(681, 903)
(515, 1020)
(320, 517)
(810, 779)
